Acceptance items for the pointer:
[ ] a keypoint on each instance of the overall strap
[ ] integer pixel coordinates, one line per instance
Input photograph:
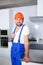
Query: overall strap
(14, 32)
(20, 33)
(15, 29)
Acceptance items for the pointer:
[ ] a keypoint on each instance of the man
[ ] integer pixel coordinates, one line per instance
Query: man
(20, 43)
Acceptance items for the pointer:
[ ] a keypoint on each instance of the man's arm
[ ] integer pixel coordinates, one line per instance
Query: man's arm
(26, 43)
(27, 48)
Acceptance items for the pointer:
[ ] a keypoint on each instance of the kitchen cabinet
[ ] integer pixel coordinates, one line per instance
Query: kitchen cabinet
(4, 19)
(39, 7)
(36, 51)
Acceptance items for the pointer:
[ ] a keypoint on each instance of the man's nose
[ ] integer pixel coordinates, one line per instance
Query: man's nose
(18, 19)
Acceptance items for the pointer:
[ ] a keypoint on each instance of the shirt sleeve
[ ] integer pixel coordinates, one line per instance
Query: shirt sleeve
(26, 30)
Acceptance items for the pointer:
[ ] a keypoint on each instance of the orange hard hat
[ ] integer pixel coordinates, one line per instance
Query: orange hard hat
(19, 15)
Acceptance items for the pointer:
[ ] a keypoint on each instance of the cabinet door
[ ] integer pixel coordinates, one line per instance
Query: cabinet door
(4, 19)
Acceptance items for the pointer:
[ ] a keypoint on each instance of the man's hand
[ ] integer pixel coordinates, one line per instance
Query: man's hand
(26, 59)
(12, 35)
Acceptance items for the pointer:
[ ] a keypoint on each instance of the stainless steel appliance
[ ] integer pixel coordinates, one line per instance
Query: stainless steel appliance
(3, 38)
(4, 41)
(36, 41)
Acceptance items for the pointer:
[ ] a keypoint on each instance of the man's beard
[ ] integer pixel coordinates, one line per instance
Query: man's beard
(19, 25)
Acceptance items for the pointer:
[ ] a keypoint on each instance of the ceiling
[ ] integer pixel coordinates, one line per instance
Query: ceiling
(16, 3)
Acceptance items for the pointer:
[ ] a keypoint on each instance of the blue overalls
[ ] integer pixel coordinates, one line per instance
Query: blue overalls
(17, 50)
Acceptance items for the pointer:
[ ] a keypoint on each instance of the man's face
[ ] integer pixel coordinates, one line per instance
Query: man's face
(19, 21)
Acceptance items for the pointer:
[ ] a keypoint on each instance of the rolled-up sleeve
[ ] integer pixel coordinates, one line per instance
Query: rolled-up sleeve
(26, 30)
